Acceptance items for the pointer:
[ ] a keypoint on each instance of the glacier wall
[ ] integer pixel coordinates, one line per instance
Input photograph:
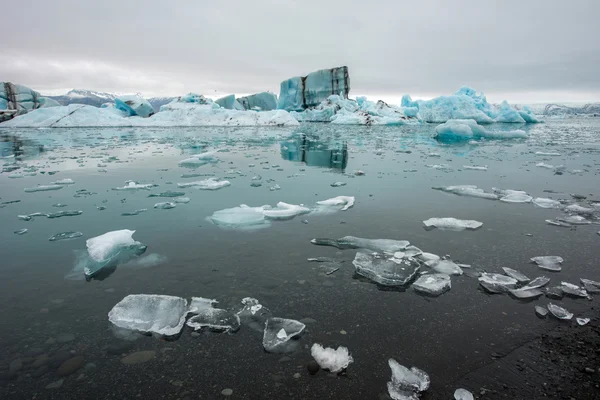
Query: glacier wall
(302, 92)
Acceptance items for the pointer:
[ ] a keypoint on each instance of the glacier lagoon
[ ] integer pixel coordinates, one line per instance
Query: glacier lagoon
(56, 315)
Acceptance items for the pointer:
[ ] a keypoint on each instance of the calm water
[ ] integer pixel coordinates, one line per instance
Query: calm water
(49, 310)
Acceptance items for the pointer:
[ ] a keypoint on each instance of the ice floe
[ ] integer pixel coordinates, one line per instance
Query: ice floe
(452, 224)
(43, 188)
(65, 235)
(207, 316)
(334, 360)
(468, 129)
(520, 277)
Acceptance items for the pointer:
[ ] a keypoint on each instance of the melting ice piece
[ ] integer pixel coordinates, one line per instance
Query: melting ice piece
(526, 294)
(432, 284)
(240, 217)
(411, 251)
(333, 360)
(278, 331)
(425, 257)
(66, 213)
(513, 196)
(577, 209)
(65, 235)
(545, 153)
(447, 267)
(254, 314)
(463, 394)
(537, 283)
(558, 223)
(549, 263)
(475, 167)
(546, 203)
(344, 201)
(168, 193)
(573, 290)
(406, 384)
(452, 224)
(352, 242)
(590, 286)
(516, 274)
(200, 160)
(133, 186)
(43, 188)
(541, 311)
(20, 232)
(468, 191)
(182, 200)
(166, 205)
(559, 312)
(497, 283)
(555, 292)
(207, 316)
(387, 271)
(582, 321)
(544, 165)
(285, 211)
(150, 313)
(136, 212)
(574, 220)
(66, 181)
(338, 184)
(207, 184)
(103, 247)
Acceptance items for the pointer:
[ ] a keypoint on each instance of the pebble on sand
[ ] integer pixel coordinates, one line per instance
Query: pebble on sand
(227, 392)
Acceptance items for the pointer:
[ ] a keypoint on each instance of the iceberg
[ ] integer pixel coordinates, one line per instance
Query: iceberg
(134, 106)
(352, 242)
(207, 316)
(103, 247)
(452, 224)
(406, 384)
(278, 332)
(264, 101)
(150, 313)
(18, 99)
(333, 360)
(433, 284)
(229, 102)
(386, 271)
(301, 92)
(468, 129)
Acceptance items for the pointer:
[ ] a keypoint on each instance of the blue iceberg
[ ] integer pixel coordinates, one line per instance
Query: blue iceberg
(134, 106)
(229, 102)
(457, 130)
(264, 101)
(18, 99)
(302, 92)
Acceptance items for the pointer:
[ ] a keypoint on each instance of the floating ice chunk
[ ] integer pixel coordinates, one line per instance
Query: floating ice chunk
(546, 203)
(207, 316)
(166, 205)
(521, 278)
(577, 209)
(537, 283)
(590, 286)
(182, 200)
(573, 290)
(387, 271)
(425, 257)
(559, 312)
(526, 294)
(546, 153)
(285, 211)
(66, 181)
(278, 331)
(338, 184)
(541, 311)
(136, 212)
(555, 292)
(432, 284)
(103, 247)
(497, 283)
(299, 93)
(352, 242)
(132, 185)
(207, 184)
(21, 232)
(468, 190)
(333, 360)
(549, 263)
(582, 321)
(574, 220)
(459, 129)
(66, 213)
(344, 201)
(508, 114)
(65, 235)
(475, 167)
(514, 196)
(452, 224)
(168, 193)
(544, 165)
(150, 313)
(43, 188)
(463, 394)
(240, 217)
(558, 223)
(133, 105)
(406, 384)
(445, 267)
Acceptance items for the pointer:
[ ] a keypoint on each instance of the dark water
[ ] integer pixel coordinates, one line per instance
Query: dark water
(449, 336)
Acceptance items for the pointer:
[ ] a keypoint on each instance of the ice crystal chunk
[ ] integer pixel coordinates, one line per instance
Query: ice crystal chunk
(526, 294)
(386, 271)
(452, 224)
(352, 242)
(582, 321)
(463, 394)
(343, 202)
(207, 316)
(166, 205)
(521, 278)
(43, 188)
(546, 203)
(65, 235)
(573, 290)
(333, 360)
(497, 283)
(559, 312)
(468, 191)
(432, 284)
(406, 384)
(207, 184)
(278, 331)
(447, 267)
(537, 283)
(549, 263)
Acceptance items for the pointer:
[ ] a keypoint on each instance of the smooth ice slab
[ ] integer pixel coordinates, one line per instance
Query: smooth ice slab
(432, 284)
(546, 203)
(590, 286)
(452, 224)
(207, 184)
(207, 316)
(386, 271)
(497, 283)
(573, 290)
(103, 247)
(446, 267)
(549, 263)
(541, 311)
(513, 196)
(467, 191)
(240, 217)
(526, 294)
(559, 312)
(582, 321)
(352, 242)
(43, 188)
(513, 273)
(406, 384)
(165, 205)
(150, 313)
(342, 202)
(537, 283)
(334, 360)
(278, 331)
(577, 209)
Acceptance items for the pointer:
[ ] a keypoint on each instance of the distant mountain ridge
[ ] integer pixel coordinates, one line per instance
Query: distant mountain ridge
(93, 98)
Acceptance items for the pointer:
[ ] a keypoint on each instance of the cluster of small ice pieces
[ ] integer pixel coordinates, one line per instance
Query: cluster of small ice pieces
(246, 217)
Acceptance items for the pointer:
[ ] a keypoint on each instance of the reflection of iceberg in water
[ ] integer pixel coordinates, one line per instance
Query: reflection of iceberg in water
(14, 147)
(314, 153)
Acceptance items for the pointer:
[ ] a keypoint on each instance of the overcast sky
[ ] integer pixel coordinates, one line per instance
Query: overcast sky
(525, 50)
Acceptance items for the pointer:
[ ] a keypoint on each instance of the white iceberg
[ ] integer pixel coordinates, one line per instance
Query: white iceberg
(103, 247)
(133, 186)
(452, 224)
(150, 313)
(543, 202)
(333, 360)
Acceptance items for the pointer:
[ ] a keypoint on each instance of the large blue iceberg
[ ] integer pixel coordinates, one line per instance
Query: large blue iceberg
(302, 92)
(467, 103)
(18, 99)
(264, 101)
(229, 102)
(134, 106)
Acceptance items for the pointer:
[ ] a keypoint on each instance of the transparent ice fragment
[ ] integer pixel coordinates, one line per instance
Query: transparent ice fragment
(65, 235)
(136, 212)
(559, 312)
(521, 278)
(549, 263)
(432, 284)
(452, 224)
(425, 257)
(541, 311)
(463, 394)
(254, 314)
(103, 247)
(352, 242)
(497, 283)
(334, 360)
(386, 271)
(65, 181)
(278, 331)
(338, 184)
(574, 220)
(66, 213)
(406, 383)
(537, 283)
(150, 313)
(447, 267)
(182, 200)
(582, 321)
(207, 316)
(573, 290)
(546, 203)
(590, 286)
(285, 211)
(526, 294)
